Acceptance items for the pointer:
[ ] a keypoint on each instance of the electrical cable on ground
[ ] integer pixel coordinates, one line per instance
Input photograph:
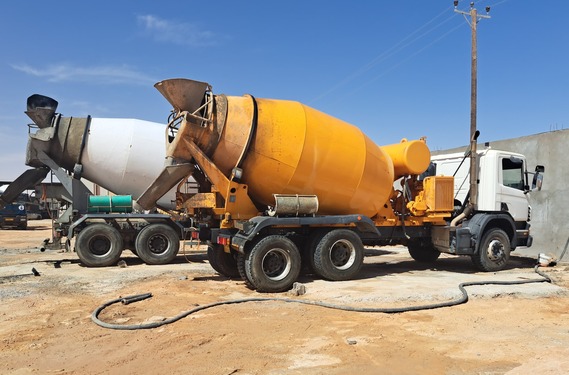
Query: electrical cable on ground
(387, 310)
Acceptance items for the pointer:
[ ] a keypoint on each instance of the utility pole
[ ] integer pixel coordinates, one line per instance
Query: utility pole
(474, 18)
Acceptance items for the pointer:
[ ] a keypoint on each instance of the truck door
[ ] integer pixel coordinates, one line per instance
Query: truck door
(511, 196)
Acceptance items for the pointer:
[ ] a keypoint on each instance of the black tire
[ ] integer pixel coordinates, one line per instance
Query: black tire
(422, 251)
(273, 264)
(493, 252)
(99, 245)
(129, 244)
(157, 244)
(309, 248)
(241, 268)
(339, 255)
(223, 263)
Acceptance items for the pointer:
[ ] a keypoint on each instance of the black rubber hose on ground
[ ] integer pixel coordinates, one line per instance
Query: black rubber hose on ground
(387, 310)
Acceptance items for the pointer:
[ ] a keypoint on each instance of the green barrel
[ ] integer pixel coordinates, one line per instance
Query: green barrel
(108, 203)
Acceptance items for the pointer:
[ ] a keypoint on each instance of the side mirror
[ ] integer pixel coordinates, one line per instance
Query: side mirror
(538, 178)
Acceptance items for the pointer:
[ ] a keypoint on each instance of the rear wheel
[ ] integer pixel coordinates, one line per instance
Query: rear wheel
(223, 263)
(339, 255)
(423, 251)
(157, 244)
(493, 252)
(99, 245)
(307, 254)
(241, 268)
(273, 264)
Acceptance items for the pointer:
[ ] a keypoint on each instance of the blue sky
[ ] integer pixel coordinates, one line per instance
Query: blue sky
(395, 69)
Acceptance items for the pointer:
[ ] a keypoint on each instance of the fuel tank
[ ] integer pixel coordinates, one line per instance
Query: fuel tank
(285, 147)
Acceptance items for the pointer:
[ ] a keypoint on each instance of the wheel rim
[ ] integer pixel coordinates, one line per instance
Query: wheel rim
(342, 254)
(99, 246)
(276, 264)
(495, 250)
(158, 244)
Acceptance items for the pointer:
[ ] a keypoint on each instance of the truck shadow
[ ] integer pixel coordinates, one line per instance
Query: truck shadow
(57, 263)
(459, 265)
(130, 259)
(181, 258)
(378, 263)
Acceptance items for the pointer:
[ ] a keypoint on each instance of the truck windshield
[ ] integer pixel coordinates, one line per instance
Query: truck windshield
(512, 173)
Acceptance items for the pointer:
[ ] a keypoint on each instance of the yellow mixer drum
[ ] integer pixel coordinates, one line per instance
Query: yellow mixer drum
(299, 150)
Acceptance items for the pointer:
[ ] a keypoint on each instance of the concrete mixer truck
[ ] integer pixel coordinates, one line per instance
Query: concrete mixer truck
(283, 185)
(280, 187)
(121, 155)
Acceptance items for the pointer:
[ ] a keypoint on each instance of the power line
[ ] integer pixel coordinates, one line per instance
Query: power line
(393, 67)
(402, 44)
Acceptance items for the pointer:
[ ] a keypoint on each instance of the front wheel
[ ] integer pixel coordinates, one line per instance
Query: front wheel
(157, 244)
(493, 252)
(273, 264)
(423, 252)
(339, 255)
(99, 245)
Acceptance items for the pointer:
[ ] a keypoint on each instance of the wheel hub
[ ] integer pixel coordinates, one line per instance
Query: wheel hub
(158, 244)
(342, 254)
(495, 250)
(276, 264)
(99, 245)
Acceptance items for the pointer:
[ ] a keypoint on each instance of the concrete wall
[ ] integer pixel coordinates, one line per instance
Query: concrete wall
(550, 206)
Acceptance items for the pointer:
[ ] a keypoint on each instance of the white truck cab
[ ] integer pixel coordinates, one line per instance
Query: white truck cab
(500, 220)
(502, 180)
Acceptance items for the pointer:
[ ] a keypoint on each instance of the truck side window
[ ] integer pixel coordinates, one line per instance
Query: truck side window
(431, 171)
(512, 173)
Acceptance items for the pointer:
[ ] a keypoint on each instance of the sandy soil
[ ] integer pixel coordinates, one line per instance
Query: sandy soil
(47, 328)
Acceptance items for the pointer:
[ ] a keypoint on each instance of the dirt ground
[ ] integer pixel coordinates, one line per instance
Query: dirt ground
(46, 325)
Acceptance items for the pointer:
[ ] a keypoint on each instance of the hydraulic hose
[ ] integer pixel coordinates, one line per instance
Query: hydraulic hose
(386, 310)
